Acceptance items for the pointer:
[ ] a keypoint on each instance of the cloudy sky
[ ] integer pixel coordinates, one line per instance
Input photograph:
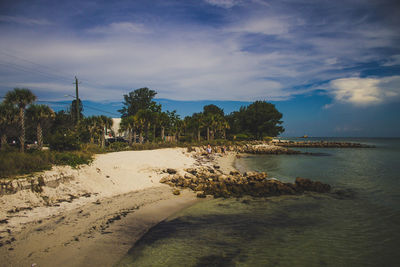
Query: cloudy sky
(331, 67)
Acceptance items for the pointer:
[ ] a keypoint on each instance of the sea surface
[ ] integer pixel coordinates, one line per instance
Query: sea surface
(359, 225)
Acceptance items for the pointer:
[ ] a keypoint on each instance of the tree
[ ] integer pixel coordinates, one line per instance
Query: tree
(106, 123)
(21, 98)
(140, 99)
(164, 122)
(211, 117)
(128, 124)
(94, 125)
(73, 110)
(213, 109)
(260, 119)
(175, 123)
(8, 118)
(155, 117)
(144, 119)
(40, 114)
(198, 123)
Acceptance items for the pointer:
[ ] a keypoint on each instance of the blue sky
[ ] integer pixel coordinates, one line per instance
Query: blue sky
(331, 67)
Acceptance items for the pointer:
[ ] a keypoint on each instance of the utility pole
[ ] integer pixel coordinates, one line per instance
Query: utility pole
(77, 104)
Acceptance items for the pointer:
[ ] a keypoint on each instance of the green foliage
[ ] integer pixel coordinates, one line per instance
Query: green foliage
(14, 163)
(72, 110)
(118, 146)
(72, 159)
(20, 97)
(67, 141)
(259, 119)
(137, 100)
(242, 137)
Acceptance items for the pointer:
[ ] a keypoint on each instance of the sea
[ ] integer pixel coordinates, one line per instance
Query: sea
(356, 225)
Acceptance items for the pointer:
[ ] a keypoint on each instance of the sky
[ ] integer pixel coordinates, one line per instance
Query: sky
(331, 67)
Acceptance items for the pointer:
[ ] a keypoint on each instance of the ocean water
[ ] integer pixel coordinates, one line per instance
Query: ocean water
(358, 226)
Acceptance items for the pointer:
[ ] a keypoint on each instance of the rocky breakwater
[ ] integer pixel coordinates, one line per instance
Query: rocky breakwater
(319, 144)
(209, 181)
(256, 148)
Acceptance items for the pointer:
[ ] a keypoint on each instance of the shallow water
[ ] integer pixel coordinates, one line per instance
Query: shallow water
(359, 227)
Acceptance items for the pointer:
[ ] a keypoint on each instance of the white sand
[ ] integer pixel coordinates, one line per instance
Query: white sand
(124, 183)
(109, 175)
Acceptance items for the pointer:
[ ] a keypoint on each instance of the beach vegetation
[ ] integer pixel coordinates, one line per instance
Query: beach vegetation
(144, 125)
(8, 122)
(14, 163)
(20, 98)
(41, 115)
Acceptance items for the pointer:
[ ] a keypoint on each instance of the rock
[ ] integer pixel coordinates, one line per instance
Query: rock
(303, 184)
(189, 176)
(201, 195)
(191, 171)
(171, 171)
(164, 179)
(236, 185)
(176, 192)
(234, 173)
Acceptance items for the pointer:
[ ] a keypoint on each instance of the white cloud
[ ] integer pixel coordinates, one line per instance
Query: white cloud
(119, 28)
(223, 3)
(365, 91)
(393, 61)
(261, 25)
(24, 20)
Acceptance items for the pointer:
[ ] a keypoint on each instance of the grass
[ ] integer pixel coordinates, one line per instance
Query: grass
(15, 163)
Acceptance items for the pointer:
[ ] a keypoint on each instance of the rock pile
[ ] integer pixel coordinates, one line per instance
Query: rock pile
(208, 181)
(247, 148)
(320, 144)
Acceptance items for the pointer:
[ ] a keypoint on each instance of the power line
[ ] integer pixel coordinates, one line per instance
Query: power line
(34, 63)
(33, 71)
(97, 109)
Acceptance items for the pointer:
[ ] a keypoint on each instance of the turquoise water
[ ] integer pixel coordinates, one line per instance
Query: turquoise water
(358, 227)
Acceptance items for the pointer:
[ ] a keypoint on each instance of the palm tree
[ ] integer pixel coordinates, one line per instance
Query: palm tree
(144, 118)
(40, 114)
(208, 121)
(164, 122)
(198, 123)
(8, 115)
(105, 123)
(21, 98)
(224, 126)
(129, 124)
(94, 126)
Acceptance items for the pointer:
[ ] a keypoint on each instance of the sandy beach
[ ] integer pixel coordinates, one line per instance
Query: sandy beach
(92, 216)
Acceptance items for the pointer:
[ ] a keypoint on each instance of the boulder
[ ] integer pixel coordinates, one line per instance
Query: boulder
(170, 171)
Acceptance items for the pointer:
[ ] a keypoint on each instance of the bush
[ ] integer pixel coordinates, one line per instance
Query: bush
(16, 163)
(118, 146)
(72, 159)
(64, 141)
(242, 137)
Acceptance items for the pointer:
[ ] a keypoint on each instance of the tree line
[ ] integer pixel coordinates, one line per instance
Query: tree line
(142, 120)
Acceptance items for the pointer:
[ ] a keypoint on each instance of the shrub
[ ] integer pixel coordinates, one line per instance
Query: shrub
(16, 163)
(118, 146)
(242, 137)
(64, 141)
(72, 159)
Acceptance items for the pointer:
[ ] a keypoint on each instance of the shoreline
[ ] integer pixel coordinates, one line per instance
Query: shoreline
(97, 214)
(96, 234)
